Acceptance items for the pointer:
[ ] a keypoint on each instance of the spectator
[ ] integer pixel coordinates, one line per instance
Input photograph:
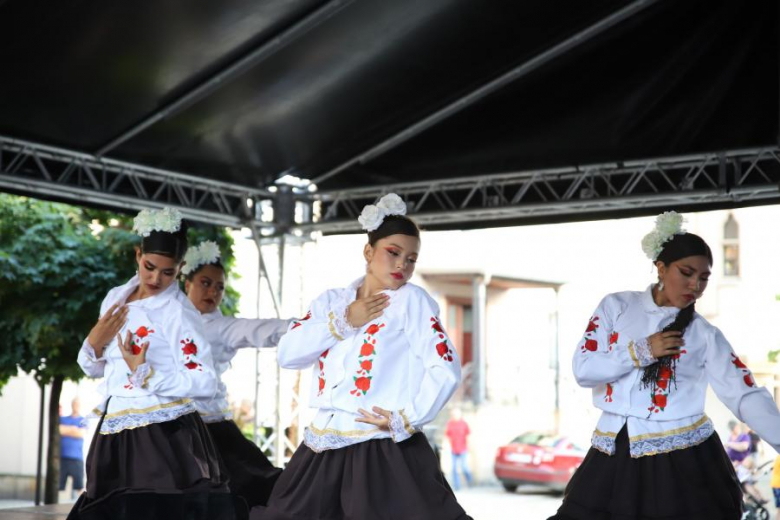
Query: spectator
(72, 430)
(755, 447)
(738, 444)
(457, 432)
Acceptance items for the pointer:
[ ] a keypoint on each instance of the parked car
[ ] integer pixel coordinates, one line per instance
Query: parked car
(537, 458)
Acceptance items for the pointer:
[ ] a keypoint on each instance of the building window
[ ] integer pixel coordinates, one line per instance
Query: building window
(731, 247)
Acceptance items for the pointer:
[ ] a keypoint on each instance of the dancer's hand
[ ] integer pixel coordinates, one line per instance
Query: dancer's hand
(380, 418)
(133, 355)
(666, 343)
(363, 310)
(107, 327)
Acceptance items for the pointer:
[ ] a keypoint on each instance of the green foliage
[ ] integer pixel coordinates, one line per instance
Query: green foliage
(773, 355)
(56, 267)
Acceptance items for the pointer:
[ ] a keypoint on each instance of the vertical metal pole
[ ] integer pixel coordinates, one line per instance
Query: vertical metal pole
(39, 469)
(280, 435)
(257, 355)
(557, 354)
(479, 309)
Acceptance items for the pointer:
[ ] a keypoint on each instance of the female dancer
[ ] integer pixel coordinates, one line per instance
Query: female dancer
(152, 456)
(252, 476)
(383, 367)
(648, 358)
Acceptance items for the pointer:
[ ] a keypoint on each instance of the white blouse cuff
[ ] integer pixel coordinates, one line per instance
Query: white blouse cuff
(643, 353)
(400, 429)
(338, 324)
(140, 378)
(89, 350)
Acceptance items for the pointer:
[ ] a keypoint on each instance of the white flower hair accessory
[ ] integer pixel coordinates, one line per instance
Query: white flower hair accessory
(372, 215)
(167, 220)
(203, 254)
(667, 225)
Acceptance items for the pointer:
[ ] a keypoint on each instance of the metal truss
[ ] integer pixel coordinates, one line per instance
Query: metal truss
(740, 176)
(83, 178)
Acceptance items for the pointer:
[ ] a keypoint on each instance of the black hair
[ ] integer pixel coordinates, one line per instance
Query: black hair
(394, 225)
(677, 247)
(195, 271)
(173, 245)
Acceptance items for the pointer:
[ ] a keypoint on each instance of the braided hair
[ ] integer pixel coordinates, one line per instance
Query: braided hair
(679, 246)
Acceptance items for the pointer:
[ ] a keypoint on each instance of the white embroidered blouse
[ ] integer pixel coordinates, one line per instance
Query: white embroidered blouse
(610, 359)
(402, 361)
(178, 363)
(225, 336)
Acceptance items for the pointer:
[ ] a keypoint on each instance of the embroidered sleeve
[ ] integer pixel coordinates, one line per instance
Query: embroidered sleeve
(236, 333)
(735, 386)
(90, 364)
(189, 371)
(440, 365)
(306, 339)
(604, 355)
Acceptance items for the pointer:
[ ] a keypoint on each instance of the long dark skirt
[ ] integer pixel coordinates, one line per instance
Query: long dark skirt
(371, 480)
(166, 471)
(696, 483)
(252, 476)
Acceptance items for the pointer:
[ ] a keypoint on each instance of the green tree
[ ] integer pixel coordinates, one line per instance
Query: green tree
(57, 262)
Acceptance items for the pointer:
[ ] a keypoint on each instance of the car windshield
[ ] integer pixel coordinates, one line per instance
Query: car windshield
(538, 439)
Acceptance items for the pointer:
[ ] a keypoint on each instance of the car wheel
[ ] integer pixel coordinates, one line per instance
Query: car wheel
(509, 487)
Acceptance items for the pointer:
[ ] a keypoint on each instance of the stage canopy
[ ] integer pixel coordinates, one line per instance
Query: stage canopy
(481, 113)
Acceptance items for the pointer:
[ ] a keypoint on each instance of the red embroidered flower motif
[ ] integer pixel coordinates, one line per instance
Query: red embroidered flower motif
(373, 329)
(322, 372)
(189, 347)
(367, 365)
(659, 400)
(322, 383)
(136, 348)
(322, 365)
(590, 345)
(436, 326)
(325, 354)
(297, 323)
(444, 350)
(142, 332)
(192, 365)
(613, 339)
(367, 349)
(748, 379)
(592, 325)
(665, 373)
(608, 394)
(737, 362)
(663, 384)
(363, 384)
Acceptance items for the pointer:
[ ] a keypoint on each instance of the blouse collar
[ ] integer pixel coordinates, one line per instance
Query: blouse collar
(650, 306)
(152, 302)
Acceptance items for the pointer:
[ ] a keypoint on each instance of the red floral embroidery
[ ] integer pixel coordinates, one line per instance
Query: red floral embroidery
(297, 323)
(190, 350)
(322, 372)
(142, 332)
(138, 335)
(363, 378)
(592, 325)
(660, 392)
(442, 348)
(613, 339)
(590, 345)
(437, 325)
(747, 376)
(608, 394)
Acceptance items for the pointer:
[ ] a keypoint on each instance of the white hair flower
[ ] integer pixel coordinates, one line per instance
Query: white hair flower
(372, 216)
(167, 220)
(203, 254)
(392, 204)
(667, 225)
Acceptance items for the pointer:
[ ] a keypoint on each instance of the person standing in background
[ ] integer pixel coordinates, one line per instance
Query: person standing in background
(457, 432)
(738, 445)
(72, 430)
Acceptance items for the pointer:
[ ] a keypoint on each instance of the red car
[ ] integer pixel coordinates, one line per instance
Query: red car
(537, 458)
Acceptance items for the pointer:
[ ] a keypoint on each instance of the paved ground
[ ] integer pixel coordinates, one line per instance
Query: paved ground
(493, 503)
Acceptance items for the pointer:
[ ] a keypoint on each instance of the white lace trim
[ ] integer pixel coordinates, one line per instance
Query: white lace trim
(643, 353)
(140, 378)
(331, 441)
(117, 422)
(675, 441)
(400, 428)
(90, 352)
(338, 318)
(605, 443)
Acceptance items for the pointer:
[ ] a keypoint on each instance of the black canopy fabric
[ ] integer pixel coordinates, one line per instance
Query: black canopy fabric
(247, 91)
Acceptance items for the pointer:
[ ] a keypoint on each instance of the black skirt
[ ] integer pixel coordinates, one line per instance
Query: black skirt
(252, 476)
(696, 483)
(371, 480)
(169, 470)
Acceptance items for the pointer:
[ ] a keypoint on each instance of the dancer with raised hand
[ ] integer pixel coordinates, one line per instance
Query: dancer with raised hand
(383, 367)
(252, 476)
(152, 457)
(648, 356)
